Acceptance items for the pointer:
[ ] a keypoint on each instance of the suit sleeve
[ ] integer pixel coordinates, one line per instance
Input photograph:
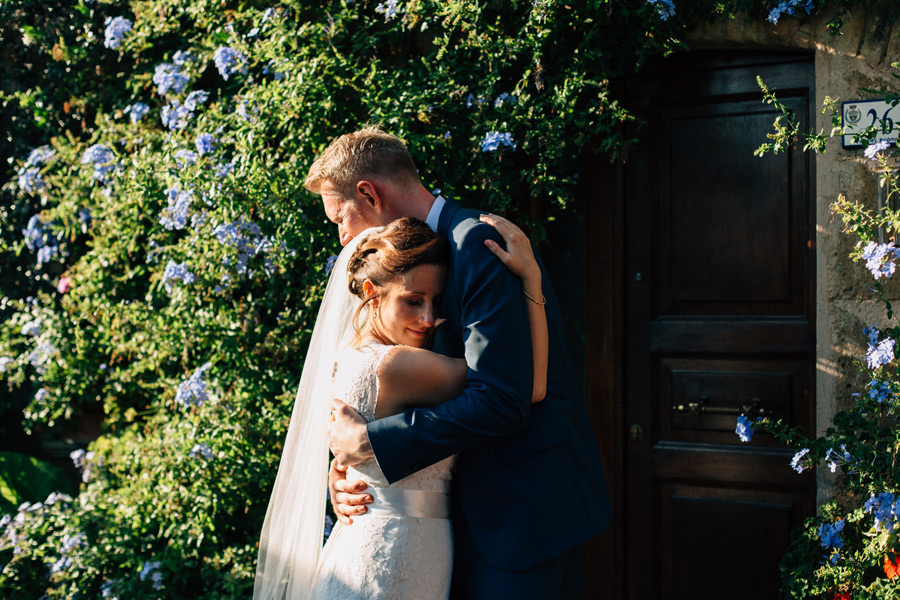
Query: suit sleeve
(499, 381)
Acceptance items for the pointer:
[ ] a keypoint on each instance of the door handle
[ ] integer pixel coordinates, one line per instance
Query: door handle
(754, 408)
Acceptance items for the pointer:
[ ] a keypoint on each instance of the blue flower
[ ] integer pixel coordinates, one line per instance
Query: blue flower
(206, 143)
(39, 156)
(201, 450)
(40, 357)
(151, 569)
(32, 328)
(195, 99)
(797, 461)
(84, 215)
(116, 28)
(182, 57)
(136, 111)
(493, 140)
(175, 215)
(169, 77)
(229, 61)
(185, 158)
(41, 239)
(177, 272)
(329, 263)
(389, 9)
(830, 535)
(245, 236)
(5, 361)
(876, 147)
(103, 160)
(875, 254)
(879, 352)
(744, 428)
(666, 8)
(193, 390)
(504, 98)
(223, 169)
(329, 527)
(833, 459)
(884, 509)
(267, 14)
(789, 6)
(880, 390)
(30, 180)
(175, 115)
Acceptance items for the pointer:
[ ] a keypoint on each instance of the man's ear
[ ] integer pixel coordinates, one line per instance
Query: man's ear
(367, 192)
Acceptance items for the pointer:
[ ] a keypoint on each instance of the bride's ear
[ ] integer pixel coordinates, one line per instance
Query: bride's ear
(369, 291)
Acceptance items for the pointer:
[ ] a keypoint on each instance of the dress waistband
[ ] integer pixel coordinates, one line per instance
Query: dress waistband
(399, 502)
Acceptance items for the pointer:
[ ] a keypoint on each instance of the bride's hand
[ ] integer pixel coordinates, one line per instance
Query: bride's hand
(518, 256)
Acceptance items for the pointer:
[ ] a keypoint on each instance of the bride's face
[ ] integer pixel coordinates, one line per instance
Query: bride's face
(411, 303)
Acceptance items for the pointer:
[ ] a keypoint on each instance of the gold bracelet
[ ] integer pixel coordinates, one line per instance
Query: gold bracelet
(542, 301)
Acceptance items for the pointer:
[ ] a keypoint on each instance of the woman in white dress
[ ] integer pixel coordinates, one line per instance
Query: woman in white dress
(402, 547)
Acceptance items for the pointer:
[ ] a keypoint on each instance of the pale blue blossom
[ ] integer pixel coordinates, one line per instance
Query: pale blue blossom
(194, 389)
(201, 450)
(30, 180)
(389, 9)
(789, 7)
(504, 98)
(176, 272)
(136, 111)
(5, 361)
(493, 140)
(884, 508)
(797, 461)
(168, 77)
(666, 8)
(880, 352)
(830, 535)
(39, 156)
(223, 169)
(880, 259)
(874, 148)
(329, 263)
(744, 428)
(116, 29)
(185, 158)
(151, 570)
(206, 143)
(195, 99)
(229, 61)
(103, 159)
(182, 57)
(32, 328)
(267, 14)
(175, 215)
(41, 356)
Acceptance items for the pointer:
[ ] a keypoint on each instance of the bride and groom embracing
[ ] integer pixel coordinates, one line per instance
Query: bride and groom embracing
(491, 406)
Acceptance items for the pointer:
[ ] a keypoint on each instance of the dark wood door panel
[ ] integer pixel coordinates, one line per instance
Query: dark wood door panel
(700, 397)
(714, 335)
(713, 464)
(720, 568)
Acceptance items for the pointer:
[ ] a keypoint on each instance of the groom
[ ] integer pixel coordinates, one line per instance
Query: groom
(529, 485)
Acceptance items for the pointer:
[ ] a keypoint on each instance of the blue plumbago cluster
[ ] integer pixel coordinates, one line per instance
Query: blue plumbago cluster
(471, 101)
(69, 543)
(5, 361)
(185, 158)
(835, 459)
(666, 8)
(206, 143)
(389, 9)
(40, 237)
(830, 536)
(9, 524)
(175, 215)
(168, 77)
(32, 328)
(84, 461)
(40, 357)
(151, 570)
(136, 111)
(175, 115)
(183, 57)
(504, 98)
(790, 7)
(880, 258)
(229, 61)
(116, 28)
(885, 509)
(329, 264)
(194, 389)
(177, 272)
(30, 179)
(798, 462)
(493, 140)
(744, 428)
(223, 169)
(103, 159)
(872, 151)
(246, 237)
(879, 352)
(881, 390)
(201, 450)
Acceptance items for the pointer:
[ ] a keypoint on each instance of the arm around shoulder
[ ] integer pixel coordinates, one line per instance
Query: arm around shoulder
(414, 377)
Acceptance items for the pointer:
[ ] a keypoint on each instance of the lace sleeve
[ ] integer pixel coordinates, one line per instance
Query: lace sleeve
(356, 377)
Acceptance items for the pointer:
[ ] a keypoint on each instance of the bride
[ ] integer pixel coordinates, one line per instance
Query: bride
(368, 349)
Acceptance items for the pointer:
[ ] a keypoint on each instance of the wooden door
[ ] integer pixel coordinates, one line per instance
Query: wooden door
(719, 314)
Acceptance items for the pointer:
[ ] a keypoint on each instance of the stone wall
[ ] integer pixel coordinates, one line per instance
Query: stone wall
(860, 57)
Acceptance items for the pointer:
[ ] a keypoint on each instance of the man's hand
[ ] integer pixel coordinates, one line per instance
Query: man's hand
(347, 498)
(347, 436)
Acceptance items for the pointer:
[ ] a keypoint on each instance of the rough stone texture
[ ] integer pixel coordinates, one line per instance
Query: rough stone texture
(858, 58)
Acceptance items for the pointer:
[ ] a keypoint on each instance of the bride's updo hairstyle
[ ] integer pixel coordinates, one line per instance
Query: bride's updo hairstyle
(384, 256)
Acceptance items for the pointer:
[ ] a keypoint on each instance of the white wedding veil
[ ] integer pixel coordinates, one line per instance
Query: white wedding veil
(292, 533)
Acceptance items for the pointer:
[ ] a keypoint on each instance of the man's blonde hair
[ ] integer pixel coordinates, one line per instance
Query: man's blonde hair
(369, 152)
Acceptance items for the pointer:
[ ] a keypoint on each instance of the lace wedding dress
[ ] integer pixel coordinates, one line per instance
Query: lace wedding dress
(402, 547)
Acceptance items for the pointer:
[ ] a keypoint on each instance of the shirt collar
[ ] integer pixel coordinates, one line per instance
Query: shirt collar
(434, 215)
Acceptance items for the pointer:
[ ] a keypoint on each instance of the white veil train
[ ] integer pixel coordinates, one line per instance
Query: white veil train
(292, 533)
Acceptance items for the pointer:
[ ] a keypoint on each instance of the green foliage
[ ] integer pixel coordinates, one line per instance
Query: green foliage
(173, 286)
(24, 478)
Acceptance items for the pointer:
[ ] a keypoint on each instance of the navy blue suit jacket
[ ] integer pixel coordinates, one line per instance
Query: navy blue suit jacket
(529, 478)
